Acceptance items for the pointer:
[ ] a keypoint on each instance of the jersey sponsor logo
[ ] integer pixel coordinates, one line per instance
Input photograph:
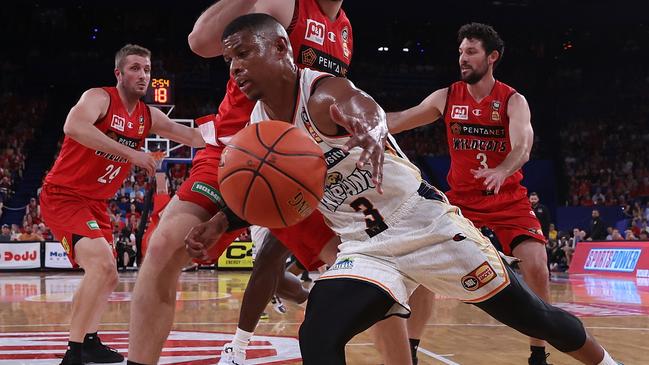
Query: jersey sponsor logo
(140, 129)
(331, 36)
(462, 144)
(92, 225)
(118, 123)
(478, 130)
(209, 191)
(182, 347)
(479, 277)
(338, 189)
(345, 36)
(344, 264)
(315, 31)
(460, 112)
(334, 156)
(459, 237)
(476, 112)
(321, 61)
(129, 125)
(129, 142)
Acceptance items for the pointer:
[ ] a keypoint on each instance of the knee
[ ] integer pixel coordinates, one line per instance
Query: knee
(565, 331)
(104, 273)
(165, 252)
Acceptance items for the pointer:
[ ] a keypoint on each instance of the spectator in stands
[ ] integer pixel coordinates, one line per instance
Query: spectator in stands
(5, 235)
(29, 234)
(556, 254)
(597, 228)
(542, 213)
(616, 236)
(644, 236)
(15, 232)
(629, 236)
(609, 232)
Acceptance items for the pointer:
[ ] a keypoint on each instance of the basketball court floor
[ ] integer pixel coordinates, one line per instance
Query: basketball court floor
(35, 313)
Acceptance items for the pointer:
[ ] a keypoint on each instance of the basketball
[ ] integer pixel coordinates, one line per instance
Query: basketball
(272, 174)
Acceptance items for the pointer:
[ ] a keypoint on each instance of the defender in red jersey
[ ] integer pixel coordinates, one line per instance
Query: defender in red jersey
(104, 132)
(321, 38)
(489, 138)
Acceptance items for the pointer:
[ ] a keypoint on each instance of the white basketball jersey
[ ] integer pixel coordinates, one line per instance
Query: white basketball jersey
(351, 203)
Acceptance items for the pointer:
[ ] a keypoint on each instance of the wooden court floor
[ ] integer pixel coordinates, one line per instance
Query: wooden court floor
(35, 312)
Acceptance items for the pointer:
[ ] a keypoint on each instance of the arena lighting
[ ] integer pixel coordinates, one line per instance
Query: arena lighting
(405, 49)
(383, 49)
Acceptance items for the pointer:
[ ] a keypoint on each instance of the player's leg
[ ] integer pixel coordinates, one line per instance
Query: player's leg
(534, 269)
(154, 295)
(518, 307)
(390, 338)
(339, 309)
(95, 256)
(266, 273)
(421, 304)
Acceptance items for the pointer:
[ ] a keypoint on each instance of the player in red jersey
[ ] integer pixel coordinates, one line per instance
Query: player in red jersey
(321, 38)
(104, 132)
(489, 138)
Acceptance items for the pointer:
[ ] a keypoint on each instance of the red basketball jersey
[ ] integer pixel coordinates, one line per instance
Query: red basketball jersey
(478, 135)
(317, 42)
(96, 174)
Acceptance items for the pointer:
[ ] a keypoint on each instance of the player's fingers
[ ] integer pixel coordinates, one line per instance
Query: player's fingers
(354, 141)
(338, 117)
(364, 159)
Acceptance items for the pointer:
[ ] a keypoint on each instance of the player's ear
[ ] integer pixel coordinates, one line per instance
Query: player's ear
(493, 57)
(117, 73)
(282, 45)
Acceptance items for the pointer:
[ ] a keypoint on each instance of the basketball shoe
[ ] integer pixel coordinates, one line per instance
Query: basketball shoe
(232, 356)
(96, 352)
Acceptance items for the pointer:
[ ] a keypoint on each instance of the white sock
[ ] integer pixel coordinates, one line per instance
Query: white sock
(241, 339)
(607, 360)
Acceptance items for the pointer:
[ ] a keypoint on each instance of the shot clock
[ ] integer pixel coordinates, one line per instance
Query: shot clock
(161, 91)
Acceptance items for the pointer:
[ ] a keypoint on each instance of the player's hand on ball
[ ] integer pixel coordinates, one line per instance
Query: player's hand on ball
(369, 133)
(144, 160)
(201, 237)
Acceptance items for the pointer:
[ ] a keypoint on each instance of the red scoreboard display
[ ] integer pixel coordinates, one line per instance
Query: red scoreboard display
(161, 91)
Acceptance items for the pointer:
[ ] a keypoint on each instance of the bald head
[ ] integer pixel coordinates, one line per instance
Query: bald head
(257, 24)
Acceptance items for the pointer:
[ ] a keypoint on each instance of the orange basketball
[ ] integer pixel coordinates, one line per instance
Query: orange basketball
(272, 174)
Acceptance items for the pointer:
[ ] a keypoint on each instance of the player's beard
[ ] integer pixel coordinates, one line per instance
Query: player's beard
(475, 75)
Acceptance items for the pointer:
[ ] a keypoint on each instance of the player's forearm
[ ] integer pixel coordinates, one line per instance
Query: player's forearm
(183, 134)
(405, 120)
(366, 111)
(516, 158)
(91, 137)
(205, 38)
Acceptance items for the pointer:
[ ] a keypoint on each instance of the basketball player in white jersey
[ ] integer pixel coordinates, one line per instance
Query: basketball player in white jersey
(391, 242)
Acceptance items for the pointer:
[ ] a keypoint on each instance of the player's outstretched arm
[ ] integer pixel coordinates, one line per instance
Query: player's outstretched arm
(428, 111)
(337, 102)
(163, 126)
(205, 38)
(521, 137)
(79, 125)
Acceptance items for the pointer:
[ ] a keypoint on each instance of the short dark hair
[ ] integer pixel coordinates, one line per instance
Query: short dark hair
(251, 22)
(534, 193)
(485, 33)
(130, 49)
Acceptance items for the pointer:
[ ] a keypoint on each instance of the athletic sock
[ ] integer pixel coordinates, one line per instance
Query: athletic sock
(241, 339)
(607, 360)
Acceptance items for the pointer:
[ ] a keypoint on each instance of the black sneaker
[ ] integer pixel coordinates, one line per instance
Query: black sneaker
(68, 360)
(535, 359)
(97, 352)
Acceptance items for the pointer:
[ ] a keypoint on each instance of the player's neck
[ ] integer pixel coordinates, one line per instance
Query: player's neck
(482, 88)
(280, 105)
(129, 101)
(330, 8)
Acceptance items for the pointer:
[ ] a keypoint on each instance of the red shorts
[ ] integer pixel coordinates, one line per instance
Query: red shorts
(508, 214)
(68, 215)
(306, 239)
(201, 187)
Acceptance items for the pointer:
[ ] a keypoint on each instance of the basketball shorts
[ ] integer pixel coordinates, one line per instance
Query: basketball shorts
(202, 185)
(305, 239)
(69, 215)
(508, 214)
(429, 244)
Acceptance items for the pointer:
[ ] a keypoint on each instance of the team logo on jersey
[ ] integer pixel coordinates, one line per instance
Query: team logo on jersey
(118, 123)
(182, 347)
(309, 56)
(495, 116)
(315, 31)
(339, 188)
(92, 225)
(495, 105)
(456, 128)
(476, 112)
(479, 277)
(460, 112)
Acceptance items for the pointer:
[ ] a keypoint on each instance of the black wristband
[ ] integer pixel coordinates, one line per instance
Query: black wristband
(234, 222)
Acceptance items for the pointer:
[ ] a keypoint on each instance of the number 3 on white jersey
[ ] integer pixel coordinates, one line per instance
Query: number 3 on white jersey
(483, 159)
(111, 173)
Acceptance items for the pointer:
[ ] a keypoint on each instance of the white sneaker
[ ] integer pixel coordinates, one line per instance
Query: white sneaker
(232, 356)
(278, 306)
